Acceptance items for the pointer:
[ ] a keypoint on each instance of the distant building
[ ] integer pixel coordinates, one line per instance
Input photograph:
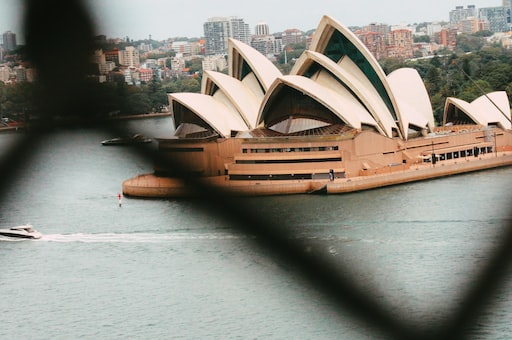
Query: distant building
(508, 7)
(9, 41)
(461, 13)
(264, 42)
(292, 36)
(376, 28)
(186, 48)
(447, 38)
(20, 73)
(214, 63)
(261, 29)
(400, 44)
(145, 74)
(150, 63)
(239, 30)
(5, 74)
(469, 25)
(433, 28)
(129, 57)
(145, 47)
(112, 56)
(106, 67)
(177, 66)
(218, 30)
(496, 16)
(376, 43)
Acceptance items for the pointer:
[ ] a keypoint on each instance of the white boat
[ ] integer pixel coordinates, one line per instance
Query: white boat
(131, 140)
(22, 231)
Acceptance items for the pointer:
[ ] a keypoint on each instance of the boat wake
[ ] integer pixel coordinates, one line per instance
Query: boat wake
(134, 237)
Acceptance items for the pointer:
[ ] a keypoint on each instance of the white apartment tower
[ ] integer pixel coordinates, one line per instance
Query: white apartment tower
(261, 29)
(218, 30)
(263, 41)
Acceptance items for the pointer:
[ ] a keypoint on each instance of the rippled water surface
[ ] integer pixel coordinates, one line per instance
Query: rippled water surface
(164, 269)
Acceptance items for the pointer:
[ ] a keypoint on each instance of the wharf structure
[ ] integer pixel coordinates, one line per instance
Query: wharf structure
(337, 123)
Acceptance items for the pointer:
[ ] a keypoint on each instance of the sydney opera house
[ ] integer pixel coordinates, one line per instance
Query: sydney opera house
(337, 123)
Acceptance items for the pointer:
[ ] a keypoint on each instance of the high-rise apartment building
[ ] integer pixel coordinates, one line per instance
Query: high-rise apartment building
(508, 8)
(461, 13)
(240, 30)
(9, 41)
(496, 16)
(264, 42)
(218, 30)
(261, 29)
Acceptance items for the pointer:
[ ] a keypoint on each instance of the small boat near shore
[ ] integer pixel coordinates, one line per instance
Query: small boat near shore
(22, 231)
(131, 140)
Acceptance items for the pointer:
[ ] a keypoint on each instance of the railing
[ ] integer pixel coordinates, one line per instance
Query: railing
(67, 35)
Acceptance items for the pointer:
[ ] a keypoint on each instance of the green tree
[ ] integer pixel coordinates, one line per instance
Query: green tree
(497, 74)
(508, 89)
(421, 38)
(138, 103)
(433, 80)
(436, 61)
(194, 65)
(156, 94)
(391, 64)
(473, 90)
(438, 101)
(468, 43)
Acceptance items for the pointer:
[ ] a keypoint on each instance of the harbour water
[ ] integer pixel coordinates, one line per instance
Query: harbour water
(163, 269)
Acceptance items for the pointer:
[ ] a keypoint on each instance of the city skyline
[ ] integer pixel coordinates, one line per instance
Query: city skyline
(138, 19)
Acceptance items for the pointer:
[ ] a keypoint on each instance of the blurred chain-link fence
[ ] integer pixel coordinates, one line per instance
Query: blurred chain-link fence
(63, 92)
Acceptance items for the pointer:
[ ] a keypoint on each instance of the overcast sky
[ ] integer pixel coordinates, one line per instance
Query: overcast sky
(138, 19)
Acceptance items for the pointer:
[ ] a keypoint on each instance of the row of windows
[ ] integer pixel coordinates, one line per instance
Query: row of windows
(288, 161)
(460, 154)
(308, 149)
(331, 175)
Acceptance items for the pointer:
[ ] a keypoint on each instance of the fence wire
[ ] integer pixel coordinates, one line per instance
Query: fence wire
(63, 93)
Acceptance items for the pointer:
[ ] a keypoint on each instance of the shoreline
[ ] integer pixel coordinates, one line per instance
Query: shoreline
(24, 127)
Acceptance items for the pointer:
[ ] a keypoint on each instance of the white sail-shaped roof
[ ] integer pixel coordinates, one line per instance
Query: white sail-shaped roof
(232, 93)
(343, 105)
(491, 108)
(347, 75)
(251, 67)
(336, 41)
(495, 107)
(217, 115)
(412, 99)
